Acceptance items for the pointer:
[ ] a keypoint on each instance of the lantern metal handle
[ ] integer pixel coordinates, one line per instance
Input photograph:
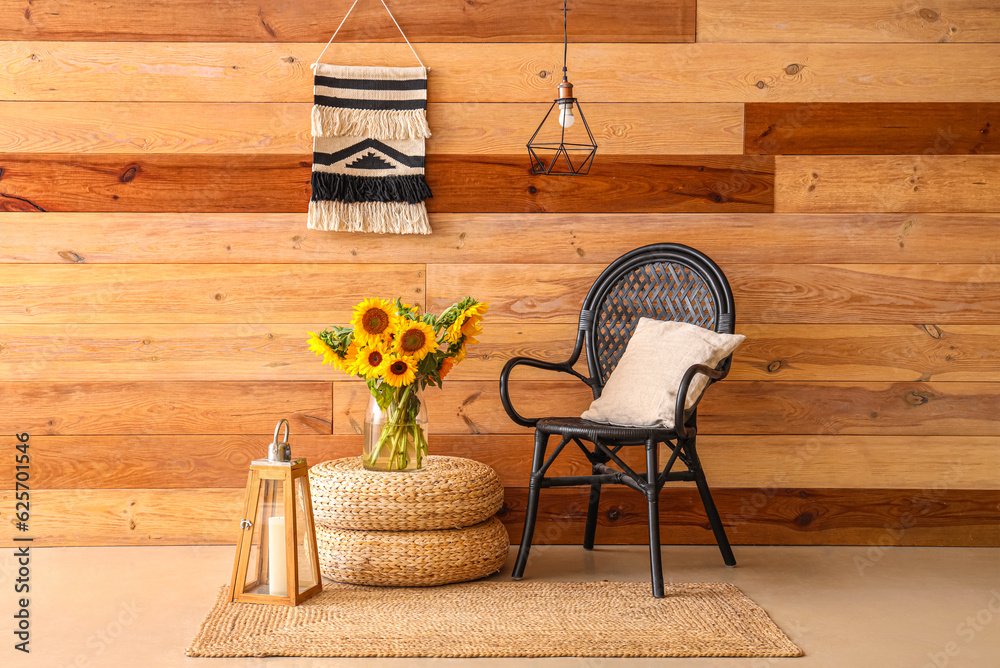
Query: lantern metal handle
(280, 451)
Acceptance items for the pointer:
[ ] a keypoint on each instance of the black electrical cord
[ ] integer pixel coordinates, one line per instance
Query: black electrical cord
(565, 38)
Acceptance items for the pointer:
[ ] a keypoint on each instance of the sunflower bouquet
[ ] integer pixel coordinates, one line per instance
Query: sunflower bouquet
(399, 352)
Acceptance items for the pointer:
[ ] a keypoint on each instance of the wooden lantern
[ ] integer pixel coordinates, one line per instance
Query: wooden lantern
(276, 557)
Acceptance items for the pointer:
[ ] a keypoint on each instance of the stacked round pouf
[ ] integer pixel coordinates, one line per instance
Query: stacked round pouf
(429, 527)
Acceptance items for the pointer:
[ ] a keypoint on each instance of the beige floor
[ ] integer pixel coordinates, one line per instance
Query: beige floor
(846, 606)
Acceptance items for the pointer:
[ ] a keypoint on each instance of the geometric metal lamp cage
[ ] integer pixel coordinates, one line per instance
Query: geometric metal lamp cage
(562, 157)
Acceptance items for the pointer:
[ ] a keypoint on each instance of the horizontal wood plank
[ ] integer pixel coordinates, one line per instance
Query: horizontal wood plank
(282, 128)
(159, 127)
(247, 296)
(135, 352)
(841, 129)
(609, 73)
(771, 516)
(154, 183)
(847, 21)
(263, 351)
(865, 462)
(596, 238)
(130, 517)
(197, 461)
(278, 352)
(314, 21)
(867, 294)
(924, 183)
(868, 352)
(230, 352)
(731, 407)
(470, 183)
(778, 293)
(619, 128)
(252, 295)
(636, 184)
(150, 407)
(782, 516)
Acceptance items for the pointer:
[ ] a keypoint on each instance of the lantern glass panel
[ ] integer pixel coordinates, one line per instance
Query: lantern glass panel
(266, 572)
(303, 540)
(254, 564)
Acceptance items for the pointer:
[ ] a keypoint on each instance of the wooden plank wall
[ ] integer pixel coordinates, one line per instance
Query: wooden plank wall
(839, 159)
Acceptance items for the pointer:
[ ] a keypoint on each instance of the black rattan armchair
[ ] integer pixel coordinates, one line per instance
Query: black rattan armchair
(661, 281)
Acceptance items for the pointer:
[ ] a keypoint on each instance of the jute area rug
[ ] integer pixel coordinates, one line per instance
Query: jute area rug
(498, 619)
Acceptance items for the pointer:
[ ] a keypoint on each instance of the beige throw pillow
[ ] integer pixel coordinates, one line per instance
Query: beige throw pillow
(642, 390)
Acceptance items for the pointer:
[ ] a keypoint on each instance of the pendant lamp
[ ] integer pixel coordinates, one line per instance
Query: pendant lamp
(564, 145)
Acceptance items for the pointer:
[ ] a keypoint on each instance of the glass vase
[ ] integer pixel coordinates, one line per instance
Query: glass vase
(396, 438)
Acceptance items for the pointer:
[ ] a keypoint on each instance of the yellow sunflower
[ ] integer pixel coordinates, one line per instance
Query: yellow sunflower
(472, 328)
(447, 364)
(372, 361)
(413, 339)
(460, 355)
(349, 364)
(373, 320)
(400, 371)
(468, 324)
(318, 346)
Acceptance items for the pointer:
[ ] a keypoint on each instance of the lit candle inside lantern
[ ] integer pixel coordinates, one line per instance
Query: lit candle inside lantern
(276, 573)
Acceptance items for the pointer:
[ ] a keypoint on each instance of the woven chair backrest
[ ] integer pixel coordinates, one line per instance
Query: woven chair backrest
(663, 282)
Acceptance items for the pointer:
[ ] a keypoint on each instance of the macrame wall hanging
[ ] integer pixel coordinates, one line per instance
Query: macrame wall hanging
(369, 125)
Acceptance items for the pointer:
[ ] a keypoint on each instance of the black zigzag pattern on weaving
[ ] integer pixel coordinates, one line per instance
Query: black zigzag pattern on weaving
(370, 161)
(361, 146)
(411, 189)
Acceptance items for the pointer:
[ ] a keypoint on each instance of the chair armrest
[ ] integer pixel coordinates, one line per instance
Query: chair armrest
(680, 413)
(562, 367)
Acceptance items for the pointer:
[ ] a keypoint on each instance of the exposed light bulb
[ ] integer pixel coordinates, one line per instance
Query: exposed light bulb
(566, 118)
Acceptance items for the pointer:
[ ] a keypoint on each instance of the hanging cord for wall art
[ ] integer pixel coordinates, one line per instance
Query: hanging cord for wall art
(313, 66)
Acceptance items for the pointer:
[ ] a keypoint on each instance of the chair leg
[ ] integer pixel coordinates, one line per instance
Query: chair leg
(534, 487)
(652, 496)
(590, 530)
(710, 510)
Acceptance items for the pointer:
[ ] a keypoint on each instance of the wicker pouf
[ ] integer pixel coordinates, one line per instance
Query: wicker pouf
(417, 529)
(412, 558)
(449, 492)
